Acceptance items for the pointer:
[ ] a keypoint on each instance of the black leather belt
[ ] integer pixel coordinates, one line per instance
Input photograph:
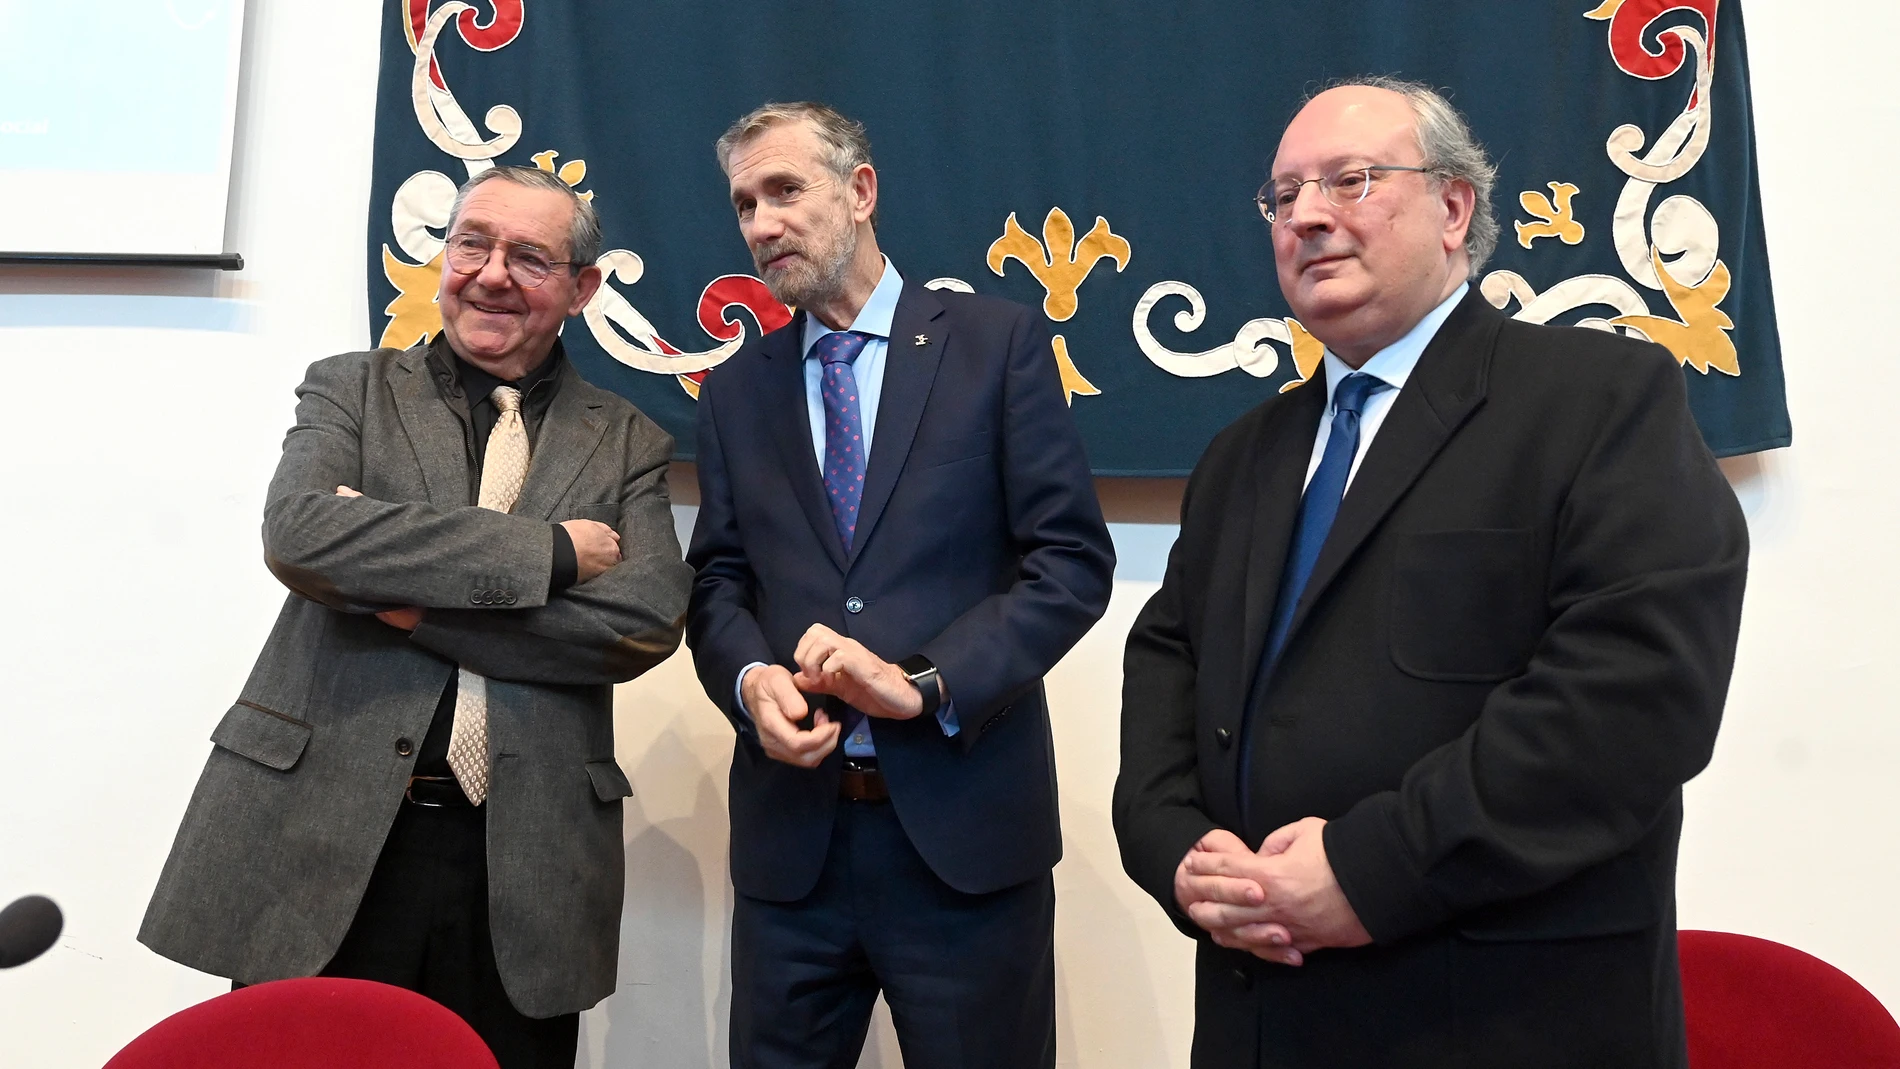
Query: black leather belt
(436, 792)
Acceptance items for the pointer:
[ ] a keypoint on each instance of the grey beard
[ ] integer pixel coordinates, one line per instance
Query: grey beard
(820, 284)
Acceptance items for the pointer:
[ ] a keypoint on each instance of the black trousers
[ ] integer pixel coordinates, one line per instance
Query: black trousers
(970, 979)
(423, 925)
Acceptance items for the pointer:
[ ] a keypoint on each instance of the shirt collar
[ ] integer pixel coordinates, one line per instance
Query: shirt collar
(1394, 363)
(477, 385)
(873, 319)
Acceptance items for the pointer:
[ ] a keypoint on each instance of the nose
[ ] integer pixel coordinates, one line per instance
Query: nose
(765, 225)
(1310, 210)
(494, 273)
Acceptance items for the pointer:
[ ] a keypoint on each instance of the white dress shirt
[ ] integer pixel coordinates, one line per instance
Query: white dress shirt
(1392, 365)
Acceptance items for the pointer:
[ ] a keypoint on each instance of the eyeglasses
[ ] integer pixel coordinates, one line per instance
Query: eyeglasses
(469, 253)
(1342, 189)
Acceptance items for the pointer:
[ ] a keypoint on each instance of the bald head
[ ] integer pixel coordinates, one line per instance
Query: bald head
(1355, 116)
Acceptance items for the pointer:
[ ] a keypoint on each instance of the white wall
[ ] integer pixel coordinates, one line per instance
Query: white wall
(145, 416)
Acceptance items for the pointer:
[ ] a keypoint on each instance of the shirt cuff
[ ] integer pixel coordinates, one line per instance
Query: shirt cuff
(567, 567)
(738, 692)
(947, 719)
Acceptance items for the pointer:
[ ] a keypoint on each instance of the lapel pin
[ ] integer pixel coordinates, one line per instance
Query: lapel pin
(923, 340)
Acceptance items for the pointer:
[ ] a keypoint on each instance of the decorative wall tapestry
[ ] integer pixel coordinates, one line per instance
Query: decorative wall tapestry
(1095, 161)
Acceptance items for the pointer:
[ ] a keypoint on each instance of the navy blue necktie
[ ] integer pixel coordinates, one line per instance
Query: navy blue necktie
(844, 429)
(1319, 506)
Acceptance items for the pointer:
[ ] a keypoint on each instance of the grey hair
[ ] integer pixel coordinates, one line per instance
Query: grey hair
(583, 233)
(844, 146)
(1450, 151)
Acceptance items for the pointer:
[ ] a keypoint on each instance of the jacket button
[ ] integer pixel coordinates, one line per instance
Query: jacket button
(404, 747)
(854, 605)
(474, 597)
(510, 599)
(1224, 737)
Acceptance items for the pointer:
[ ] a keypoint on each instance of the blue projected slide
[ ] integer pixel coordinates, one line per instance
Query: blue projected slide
(116, 85)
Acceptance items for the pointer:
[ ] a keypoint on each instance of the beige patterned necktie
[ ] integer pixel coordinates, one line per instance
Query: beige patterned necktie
(504, 469)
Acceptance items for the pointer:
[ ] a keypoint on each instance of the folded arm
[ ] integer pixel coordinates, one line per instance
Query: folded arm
(356, 554)
(605, 629)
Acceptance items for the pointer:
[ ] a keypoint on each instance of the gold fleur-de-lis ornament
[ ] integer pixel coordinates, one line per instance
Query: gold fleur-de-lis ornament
(1060, 263)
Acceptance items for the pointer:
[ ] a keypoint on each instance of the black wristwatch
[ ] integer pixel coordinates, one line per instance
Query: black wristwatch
(923, 675)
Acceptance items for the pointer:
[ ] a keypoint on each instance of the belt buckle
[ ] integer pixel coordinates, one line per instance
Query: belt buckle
(863, 785)
(408, 790)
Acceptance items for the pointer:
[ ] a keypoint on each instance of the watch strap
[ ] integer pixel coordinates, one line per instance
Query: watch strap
(923, 675)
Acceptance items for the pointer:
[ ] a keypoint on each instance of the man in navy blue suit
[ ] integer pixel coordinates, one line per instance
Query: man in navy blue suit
(898, 537)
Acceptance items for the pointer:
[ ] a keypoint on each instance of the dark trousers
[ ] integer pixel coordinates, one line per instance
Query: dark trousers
(970, 979)
(423, 925)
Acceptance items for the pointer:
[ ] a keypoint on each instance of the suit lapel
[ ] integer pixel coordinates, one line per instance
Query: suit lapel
(1284, 450)
(570, 432)
(434, 433)
(1444, 390)
(785, 409)
(909, 371)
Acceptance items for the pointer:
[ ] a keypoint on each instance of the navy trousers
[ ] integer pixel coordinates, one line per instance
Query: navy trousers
(970, 979)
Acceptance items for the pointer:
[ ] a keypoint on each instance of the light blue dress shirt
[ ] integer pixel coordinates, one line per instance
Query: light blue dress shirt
(873, 319)
(1393, 365)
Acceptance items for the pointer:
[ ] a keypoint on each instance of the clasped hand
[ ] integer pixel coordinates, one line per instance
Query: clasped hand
(1279, 904)
(828, 663)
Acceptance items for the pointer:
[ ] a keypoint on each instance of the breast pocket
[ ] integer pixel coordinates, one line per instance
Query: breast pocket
(952, 450)
(1467, 606)
(607, 512)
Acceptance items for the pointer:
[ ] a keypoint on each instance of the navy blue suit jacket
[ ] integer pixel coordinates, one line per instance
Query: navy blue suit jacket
(980, 545)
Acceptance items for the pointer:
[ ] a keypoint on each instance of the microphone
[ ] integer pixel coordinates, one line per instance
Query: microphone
(28, 928)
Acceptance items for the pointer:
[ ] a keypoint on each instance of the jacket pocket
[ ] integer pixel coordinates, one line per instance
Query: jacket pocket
(273, 739)
(950, 450)
(607, 512)
(610, 783)
(1467, 606)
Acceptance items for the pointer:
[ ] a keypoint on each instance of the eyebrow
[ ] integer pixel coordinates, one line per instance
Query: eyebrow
(1349, 162)
(774, 179)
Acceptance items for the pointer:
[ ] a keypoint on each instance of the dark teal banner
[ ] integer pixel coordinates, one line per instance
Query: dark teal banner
(1096, 161)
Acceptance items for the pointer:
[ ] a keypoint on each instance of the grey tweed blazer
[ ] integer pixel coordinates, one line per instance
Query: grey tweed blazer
(309, 765)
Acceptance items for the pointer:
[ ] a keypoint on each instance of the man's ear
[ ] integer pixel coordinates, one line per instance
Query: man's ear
(863, 193)
(1460, 202)
(584, 286)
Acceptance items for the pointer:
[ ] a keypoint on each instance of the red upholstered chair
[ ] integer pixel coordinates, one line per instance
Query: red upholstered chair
(318, 1023)
(1753, 1004)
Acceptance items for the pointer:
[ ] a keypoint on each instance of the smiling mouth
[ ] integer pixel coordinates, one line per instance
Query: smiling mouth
(490, 309)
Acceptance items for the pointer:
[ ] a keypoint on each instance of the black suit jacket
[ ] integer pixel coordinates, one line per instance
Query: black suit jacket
(1513, 651)
(980, 544)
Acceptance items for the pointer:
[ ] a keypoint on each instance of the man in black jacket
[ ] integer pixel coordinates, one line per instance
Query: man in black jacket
(1405, 729)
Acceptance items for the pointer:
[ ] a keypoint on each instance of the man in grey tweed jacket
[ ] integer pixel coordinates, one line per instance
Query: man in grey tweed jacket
(327, 833)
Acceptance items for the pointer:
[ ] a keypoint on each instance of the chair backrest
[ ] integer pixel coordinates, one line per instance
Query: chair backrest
(316, 1023)
(1754, 1004)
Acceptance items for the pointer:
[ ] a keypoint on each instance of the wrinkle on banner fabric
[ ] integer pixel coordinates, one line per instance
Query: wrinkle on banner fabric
(1096, 162)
